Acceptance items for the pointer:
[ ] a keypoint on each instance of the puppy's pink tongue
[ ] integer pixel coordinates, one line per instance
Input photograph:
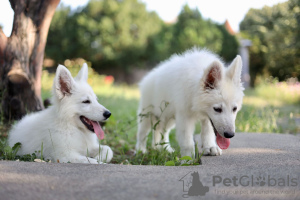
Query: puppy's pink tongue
(98, 130)
(223, 143)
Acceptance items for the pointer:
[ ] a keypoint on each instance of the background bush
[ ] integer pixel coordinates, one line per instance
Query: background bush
(123, 34)
(275, 35)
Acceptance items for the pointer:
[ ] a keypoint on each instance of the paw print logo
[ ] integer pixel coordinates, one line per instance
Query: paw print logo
(260, 181)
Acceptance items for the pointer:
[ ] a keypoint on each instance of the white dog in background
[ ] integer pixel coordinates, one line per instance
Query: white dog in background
(68, 130)
(187, 88)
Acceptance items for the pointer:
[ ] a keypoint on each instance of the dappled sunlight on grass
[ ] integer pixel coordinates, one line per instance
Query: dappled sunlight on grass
(274, 93)
(271, 107)
(260, 102)
(253, 119)
(118, 91)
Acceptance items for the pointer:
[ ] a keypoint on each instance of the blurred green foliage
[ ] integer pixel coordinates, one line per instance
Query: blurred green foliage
(192, 30)
(123, 34)
(109, 32)
(275, 35)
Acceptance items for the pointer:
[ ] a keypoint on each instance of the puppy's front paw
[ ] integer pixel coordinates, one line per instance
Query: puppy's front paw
(166, 147)
(212, 151)
(106, 154)
(169, 149)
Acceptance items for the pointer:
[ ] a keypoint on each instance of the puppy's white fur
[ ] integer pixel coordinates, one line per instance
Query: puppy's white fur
(63, 135)
(192, 84)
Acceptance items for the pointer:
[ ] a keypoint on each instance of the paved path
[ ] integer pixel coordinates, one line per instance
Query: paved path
(256, 166)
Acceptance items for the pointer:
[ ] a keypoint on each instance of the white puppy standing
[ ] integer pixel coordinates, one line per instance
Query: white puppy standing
(187, 88)
(68, 130)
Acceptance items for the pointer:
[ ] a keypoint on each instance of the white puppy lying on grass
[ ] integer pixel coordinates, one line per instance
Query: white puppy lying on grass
(65, 131)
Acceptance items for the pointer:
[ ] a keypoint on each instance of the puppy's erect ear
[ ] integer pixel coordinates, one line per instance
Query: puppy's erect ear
(212, 75)
(234, 70)
(83, 73)
(63, 82)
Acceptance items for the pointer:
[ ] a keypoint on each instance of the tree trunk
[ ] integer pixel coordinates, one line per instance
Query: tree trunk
(21, 57)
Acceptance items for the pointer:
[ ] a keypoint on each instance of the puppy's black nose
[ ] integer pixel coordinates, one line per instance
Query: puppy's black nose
(106, 114)
(228, 134)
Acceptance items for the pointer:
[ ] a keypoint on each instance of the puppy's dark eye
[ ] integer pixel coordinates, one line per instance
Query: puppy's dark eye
(218, 110)
(86, 101)
(234, 109)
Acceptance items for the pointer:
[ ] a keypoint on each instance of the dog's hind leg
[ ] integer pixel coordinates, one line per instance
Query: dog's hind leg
(144, 125)
(165, 140)
(157, 137)
(161, 136)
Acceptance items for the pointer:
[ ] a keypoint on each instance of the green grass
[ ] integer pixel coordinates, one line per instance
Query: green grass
(271, 108)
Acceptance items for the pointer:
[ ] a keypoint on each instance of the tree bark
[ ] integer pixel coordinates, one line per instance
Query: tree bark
(21, 57)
